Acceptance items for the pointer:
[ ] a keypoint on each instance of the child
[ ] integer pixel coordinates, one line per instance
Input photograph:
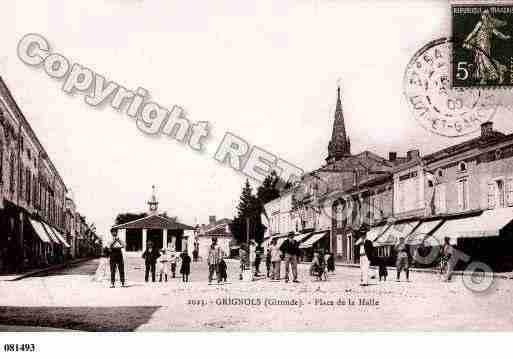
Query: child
(223, 275)
(185, 269)
(382, 268)
(101, 271)
(164, 264)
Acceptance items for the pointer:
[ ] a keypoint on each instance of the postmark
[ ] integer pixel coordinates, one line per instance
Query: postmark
(437, 106)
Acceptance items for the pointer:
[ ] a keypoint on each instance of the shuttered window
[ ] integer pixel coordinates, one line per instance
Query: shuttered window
(509, 191)
(491, 195)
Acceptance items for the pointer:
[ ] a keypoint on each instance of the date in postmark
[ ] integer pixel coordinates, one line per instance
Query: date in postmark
(483, 45)
(438, 107)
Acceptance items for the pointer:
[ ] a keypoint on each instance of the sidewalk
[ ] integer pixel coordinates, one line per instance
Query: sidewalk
(18, 276)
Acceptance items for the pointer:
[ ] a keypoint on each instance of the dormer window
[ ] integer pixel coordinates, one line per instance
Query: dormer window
(440, 173)
(462, 166)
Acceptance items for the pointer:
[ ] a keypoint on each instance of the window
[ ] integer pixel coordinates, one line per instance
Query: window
(498, 154)
(463, 194)
(339, 211)
(501, 194)
(349, 246)
(12, 180)
(440, 201)
(28, 186)
(440, 173)
(339, 244)
(462, 166)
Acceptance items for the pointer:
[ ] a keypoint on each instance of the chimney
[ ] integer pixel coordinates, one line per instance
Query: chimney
(412, 155)
(392, 156)
(486, 128)
(211, 220)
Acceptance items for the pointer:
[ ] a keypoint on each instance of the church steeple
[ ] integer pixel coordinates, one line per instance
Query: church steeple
(339, 146)
(153, 203)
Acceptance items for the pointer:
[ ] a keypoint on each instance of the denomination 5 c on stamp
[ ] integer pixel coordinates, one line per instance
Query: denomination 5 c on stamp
(437, 106)
(483, 47)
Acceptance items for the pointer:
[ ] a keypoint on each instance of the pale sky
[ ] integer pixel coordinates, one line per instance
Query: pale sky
(266, 71)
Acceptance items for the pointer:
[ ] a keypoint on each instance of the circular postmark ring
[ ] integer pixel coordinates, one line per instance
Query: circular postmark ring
(435, 105)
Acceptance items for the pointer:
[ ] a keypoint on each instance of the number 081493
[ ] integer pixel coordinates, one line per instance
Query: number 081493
(19, 347)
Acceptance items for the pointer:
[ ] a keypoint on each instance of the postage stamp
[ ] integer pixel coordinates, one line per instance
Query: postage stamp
(439, 108)
(483, 47)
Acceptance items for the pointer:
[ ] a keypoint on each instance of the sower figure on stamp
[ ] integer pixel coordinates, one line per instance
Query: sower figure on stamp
(150, 256)
(480, 42)
(116, 259)
(290, 247)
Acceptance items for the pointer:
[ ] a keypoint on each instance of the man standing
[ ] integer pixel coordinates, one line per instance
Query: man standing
(448, 258)
(366, 253)
(116, 259)
(173, 257)
(150, 256)
(275, 259)
(402, 262)
(214, 256)
(290, 248)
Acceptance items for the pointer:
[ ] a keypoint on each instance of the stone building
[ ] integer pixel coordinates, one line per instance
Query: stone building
(32, 195)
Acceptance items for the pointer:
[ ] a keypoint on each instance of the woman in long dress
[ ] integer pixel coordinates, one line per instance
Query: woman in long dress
(479, 40)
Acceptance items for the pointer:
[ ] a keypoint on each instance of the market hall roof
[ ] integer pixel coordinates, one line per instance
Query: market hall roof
(153, 221)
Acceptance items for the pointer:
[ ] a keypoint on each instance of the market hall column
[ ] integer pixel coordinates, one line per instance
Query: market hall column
(144, 237)
(164, 238)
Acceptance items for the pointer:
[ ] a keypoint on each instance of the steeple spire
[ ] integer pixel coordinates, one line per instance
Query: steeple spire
(339, 146)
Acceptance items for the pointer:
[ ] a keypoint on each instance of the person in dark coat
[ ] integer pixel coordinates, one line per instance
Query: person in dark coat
(185, 269)
(331, 263)
(290, 247)
(150, 256)
(116, 259)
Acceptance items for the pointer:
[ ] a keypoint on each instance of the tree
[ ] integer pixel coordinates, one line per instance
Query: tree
(128, 217)
(248, 213)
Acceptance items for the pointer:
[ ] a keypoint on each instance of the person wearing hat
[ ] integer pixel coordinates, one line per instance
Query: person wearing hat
(116, 259)
(275, 259)
(290, 247)
(402, 262)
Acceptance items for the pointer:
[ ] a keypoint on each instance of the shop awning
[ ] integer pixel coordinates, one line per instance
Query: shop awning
(51, 235)
(373, 234)
(60, 237)
(40, 230)
(391, 236)
(422, 233)
(302, 237)
(312, 240)
(488, 224)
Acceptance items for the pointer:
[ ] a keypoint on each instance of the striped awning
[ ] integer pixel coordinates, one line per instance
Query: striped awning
(391, 236)
(60, 237)
(40, 230)
(312, 240)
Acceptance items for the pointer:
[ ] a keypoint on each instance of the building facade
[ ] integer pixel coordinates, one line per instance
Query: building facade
(32, 195)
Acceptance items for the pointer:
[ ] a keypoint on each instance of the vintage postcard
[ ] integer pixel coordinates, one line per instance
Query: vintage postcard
(172, 166)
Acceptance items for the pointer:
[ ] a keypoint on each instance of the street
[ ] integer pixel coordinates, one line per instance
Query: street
(69, 299)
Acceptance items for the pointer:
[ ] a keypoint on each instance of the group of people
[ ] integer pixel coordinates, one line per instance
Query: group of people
(403, 260)
(164, 261)
(288, 252)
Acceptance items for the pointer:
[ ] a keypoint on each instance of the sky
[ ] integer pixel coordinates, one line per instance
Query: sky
(266, 71)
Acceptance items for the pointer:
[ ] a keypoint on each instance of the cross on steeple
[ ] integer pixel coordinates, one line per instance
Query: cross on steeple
(339, 146)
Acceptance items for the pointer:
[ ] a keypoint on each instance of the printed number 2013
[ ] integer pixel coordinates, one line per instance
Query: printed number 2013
(462, 71)
(19, 347)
